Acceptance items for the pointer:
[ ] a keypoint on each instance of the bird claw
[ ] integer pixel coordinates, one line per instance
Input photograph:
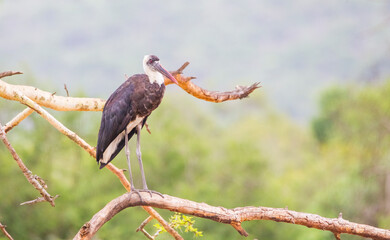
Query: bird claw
(152, 191)
(133, 190)
(147, 128)
(138, 191)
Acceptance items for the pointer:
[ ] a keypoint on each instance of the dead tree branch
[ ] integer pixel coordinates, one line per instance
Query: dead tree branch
(17, 119)
(233, 217)
(34, 180)
(61, 103)
(211, 96)
(2, 227)
(49, 100)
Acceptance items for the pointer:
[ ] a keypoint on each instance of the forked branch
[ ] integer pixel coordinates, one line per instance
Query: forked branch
(233, 217)
(36, 181)
(211, 96)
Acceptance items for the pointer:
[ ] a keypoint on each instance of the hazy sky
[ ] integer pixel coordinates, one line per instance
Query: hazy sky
(294, 48)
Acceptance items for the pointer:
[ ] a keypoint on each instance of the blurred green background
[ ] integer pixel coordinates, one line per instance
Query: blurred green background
(314, 138)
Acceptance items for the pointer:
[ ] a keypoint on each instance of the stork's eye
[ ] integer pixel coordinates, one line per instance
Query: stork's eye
(150, 61)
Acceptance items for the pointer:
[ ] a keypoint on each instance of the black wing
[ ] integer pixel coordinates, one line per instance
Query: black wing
(117, 114)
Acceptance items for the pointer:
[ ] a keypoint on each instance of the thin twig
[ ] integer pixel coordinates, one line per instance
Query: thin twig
(143, 224)
(37, 200)
(147, 128)
(17, 119)
(181, 69)
(66, 89)
(27, 173)
(147, 234)
(9, 73)
(157, 233)
(2, 227)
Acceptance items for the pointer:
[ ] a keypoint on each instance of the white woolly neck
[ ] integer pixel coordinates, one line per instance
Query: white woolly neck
(154, 76)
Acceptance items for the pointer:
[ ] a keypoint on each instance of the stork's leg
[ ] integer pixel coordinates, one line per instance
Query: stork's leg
(139, 156)
(127, 150)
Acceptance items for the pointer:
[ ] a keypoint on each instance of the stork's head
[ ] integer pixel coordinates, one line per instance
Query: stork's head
(155, 71)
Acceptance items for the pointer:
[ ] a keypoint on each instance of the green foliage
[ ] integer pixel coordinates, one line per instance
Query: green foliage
(179, 221)
(330, 109)
(355, 121)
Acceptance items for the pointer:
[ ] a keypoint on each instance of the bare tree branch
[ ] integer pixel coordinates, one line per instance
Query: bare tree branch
(233, 217)
(211, 96)
(61, 103)
(49, 100)
(27, 173)
(17, 119)
(2, 227)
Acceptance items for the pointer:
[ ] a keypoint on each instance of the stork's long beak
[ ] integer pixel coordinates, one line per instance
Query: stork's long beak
(164, 72)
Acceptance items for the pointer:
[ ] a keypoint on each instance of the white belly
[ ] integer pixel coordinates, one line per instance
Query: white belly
(112, 147)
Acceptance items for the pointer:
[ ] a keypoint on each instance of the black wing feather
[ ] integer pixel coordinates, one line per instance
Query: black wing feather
(117, 114)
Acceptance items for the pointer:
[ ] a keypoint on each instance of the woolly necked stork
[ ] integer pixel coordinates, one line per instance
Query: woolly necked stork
(126, 111)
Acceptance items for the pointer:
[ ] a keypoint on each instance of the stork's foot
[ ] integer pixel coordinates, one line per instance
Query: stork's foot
(151, 192)
(135, 191)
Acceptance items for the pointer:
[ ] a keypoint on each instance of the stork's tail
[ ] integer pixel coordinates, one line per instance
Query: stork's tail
(102, 164)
